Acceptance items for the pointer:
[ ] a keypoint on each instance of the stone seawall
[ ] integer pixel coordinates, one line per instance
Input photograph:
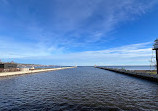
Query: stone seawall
(151, 77)
(3, 74)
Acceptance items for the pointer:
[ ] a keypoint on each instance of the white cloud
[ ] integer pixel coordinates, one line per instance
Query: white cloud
(89, 20)
(125, 55)
(101, 16)
(135, 54)
(11, 48)
(73, 20)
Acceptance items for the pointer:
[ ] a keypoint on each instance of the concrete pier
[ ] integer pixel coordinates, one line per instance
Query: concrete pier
(3, 74)
(151, 77)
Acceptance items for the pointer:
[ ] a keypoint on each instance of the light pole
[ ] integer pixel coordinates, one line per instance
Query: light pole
(156, 49)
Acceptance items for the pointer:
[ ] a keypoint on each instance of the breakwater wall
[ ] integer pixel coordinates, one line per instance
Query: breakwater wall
(147, 76)
(4, 74)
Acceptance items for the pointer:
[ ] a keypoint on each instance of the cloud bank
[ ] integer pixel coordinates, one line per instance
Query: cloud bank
(135, 54)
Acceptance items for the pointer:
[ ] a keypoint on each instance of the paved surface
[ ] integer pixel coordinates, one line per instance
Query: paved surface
(30, 71)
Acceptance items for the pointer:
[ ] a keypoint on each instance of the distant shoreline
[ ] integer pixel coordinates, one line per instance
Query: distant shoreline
(5, 74)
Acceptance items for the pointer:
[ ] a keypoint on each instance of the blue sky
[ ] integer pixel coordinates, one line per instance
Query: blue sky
(78, 32)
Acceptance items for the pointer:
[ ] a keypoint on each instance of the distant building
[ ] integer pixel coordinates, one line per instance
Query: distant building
(8, 65)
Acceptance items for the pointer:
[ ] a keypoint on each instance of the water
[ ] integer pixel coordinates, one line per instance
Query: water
(134, 67)
(82, 88)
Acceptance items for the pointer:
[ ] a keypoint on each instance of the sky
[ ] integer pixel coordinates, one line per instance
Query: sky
(78, 32)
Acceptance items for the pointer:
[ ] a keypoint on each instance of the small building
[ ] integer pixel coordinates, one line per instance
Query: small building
(24, 69)
(8, 65)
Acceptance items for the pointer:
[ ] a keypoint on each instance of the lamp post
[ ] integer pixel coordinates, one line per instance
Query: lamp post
(156, 49)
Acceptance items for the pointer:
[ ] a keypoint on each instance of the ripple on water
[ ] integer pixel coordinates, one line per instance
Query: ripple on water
(82, 89)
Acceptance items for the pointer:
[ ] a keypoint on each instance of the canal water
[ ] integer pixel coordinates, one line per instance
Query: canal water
(82, 89)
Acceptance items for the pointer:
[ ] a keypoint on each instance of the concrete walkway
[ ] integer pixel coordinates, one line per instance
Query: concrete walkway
(3, 74)
(151, 77)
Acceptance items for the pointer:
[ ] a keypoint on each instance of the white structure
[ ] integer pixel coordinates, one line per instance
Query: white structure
(24, 69)
(32, 68)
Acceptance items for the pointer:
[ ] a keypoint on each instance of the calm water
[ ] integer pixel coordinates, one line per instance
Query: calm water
(82, 88)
